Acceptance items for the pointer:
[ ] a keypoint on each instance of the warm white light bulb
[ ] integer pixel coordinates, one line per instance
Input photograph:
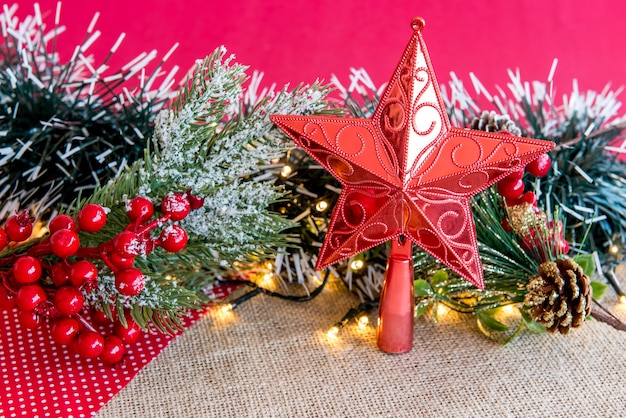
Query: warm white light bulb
(286, 170)
(357, 265)
(508, 310)
(321, 206)
(613, 249)
(333, 332)
(267, 278)
(227, 308)
(363, 321)
(622, 299)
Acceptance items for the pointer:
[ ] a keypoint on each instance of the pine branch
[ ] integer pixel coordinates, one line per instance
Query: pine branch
(211, 142)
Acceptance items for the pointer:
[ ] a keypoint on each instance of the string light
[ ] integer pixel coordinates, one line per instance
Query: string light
(613, 249)
(442, 310)
(508, 310)
(321, 206)
(357, 265)
(286, 170)
(611, 277)
(227, 307)
(267, 279)
(359, 314)
(333, 332)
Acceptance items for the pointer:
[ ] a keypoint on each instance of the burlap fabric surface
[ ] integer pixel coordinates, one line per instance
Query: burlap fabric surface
(273, 359)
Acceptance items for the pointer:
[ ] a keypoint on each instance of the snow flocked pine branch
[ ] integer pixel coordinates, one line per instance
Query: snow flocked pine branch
(210, 142)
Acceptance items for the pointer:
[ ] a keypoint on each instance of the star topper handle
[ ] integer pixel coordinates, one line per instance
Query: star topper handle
(397, 301)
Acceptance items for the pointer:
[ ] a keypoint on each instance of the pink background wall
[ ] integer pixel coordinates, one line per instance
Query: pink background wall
(299, 41)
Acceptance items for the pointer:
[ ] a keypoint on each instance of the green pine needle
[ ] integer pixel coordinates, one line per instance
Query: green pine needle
(213, 141)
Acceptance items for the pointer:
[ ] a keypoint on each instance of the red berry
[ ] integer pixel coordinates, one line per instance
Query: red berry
(511, 189)
(177, 205)
(173, 238)
(121, 262)
(4, 239)
(62, 222)
(29, 319)
(60, 274)
(130, 282)
(139, 208)
(129, 334)
(64, 243)
(100, 318)
(528, 197)
(83, 271)
(64, 330)
(68, 300)
(89, 344)
(195, 202)
(7, 300)
(515, 175)
(113, 350)
(29, 296)
(540, 167)
(564, 247)
(19, 227)
(27, 269)
(127, 244)
(92, 218)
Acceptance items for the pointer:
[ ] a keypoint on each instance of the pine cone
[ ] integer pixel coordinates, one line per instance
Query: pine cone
(492, 122)
(560, 296)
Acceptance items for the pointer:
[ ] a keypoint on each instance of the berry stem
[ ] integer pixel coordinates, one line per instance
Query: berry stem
(9, 260)
(84, 322)
(41, 249)
(6, 283)
(105, 259)
(149, 227)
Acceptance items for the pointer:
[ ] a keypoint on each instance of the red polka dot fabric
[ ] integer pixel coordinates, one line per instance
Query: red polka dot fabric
(44, 379)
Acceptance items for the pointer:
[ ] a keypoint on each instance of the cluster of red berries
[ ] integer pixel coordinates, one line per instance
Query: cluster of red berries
(53, 288)
(511, 188)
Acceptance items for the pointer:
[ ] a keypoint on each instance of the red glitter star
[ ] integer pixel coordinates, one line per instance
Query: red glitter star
(407, 171)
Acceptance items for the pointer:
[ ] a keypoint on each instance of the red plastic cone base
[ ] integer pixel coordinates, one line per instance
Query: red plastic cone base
(397, 302)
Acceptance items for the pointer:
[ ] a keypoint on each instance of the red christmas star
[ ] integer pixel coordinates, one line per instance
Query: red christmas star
(406, 171)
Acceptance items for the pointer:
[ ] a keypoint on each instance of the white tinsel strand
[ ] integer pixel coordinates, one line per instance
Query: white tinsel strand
(111, 105)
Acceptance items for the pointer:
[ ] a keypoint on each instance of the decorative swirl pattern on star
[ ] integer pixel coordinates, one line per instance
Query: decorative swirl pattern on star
(406, 171)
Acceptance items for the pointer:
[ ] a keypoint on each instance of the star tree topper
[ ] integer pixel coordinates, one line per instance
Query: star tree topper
(407, 171)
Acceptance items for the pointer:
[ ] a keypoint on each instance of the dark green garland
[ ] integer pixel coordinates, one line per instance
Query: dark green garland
(64, 128)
